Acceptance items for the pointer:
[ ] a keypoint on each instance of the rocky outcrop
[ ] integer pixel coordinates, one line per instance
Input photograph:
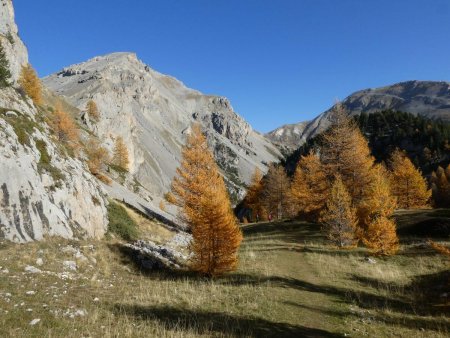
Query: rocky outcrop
(16, 51)
(289, 136)
(42, 190)
(427, 98)
(153, 113)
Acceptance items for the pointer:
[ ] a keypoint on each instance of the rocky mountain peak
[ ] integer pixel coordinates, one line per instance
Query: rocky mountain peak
(152, 112)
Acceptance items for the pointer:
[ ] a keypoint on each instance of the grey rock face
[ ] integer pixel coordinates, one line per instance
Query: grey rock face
(153, 113)
(15, 49)
(427, 98)
(35, 202)
(289, 136)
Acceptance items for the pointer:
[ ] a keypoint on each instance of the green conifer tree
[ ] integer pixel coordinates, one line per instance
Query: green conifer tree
(5, 74)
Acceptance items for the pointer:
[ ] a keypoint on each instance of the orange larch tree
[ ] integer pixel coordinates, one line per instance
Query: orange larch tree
(376, 211)
(200, 192)
(64, 127)
(309, 187)
(407, 182)
(30, 83)
(339, 217)
(121, 156)
(92, 110)
(253, 198)
(276, 192)
(345, 152)
(98, 157)
(381, 237)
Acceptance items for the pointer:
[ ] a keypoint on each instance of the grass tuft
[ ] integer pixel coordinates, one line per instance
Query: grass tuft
(120, 223)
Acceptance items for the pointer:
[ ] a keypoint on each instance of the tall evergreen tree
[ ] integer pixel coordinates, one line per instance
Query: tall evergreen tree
(199, 190)
(5, 73)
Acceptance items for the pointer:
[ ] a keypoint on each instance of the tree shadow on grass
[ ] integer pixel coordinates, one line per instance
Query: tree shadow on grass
(414, 300)
(288, 231)
(362, 298)
(434, 324)
(203, 322)
(428, 294)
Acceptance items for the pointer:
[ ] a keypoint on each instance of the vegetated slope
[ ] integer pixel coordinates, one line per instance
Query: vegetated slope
(153, 113)
(426, 141)
(427, 98)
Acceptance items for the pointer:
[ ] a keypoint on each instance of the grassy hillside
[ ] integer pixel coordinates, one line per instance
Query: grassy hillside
(290, 284)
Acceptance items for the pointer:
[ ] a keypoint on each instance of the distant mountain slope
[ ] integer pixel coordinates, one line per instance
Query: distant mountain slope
(428, 98)
(153, 113)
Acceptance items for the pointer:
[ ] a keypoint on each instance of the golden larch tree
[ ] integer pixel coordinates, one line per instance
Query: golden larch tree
(253, 198)
(381, 237)
(64, 127)
(276, 192)
(339, 217)
(309, 187)
(380, 200)
(407, 182)
(98, 157)
(92, 110)
(376, 211)
(345, 152)
(200, 192)
(121, 157)
(30, 83)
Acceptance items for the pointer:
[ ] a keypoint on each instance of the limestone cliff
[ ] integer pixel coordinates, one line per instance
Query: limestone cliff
(43, 191)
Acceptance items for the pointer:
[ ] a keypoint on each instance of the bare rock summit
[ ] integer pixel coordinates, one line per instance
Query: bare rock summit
(153, 113)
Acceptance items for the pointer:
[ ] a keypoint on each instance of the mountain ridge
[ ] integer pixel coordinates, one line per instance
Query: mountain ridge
(428, 98)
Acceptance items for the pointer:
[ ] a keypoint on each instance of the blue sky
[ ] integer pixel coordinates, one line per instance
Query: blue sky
(279, 61)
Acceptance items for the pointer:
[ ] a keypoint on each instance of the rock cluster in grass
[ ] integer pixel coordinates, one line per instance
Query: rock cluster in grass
(152, 256)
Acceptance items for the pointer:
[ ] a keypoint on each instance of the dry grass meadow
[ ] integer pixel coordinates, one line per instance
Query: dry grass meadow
(290, 283)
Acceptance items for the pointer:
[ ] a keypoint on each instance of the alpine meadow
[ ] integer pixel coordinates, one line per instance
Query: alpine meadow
(132, 205)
